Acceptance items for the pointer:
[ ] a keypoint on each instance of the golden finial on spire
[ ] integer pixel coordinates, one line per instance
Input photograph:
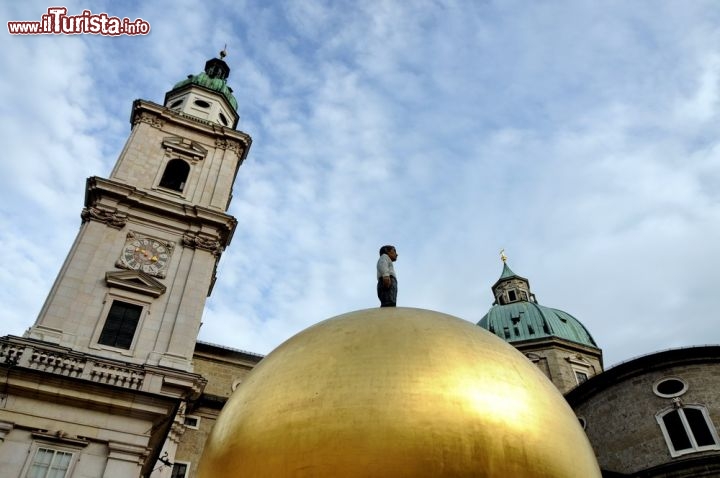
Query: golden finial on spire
(503, 257)
(223, 52)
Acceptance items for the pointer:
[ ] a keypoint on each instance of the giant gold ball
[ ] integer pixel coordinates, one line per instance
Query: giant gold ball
(392, 393)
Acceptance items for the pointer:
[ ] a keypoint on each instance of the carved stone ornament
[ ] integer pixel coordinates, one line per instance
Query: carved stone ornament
(197, 241)
(233, 146)
(149, 118)
(184, 148)
(578, 359)
(135, 281)
(110, 218)
(176, 432)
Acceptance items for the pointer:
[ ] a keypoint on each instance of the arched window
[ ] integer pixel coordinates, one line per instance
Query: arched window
(688, 429)
(175, 175)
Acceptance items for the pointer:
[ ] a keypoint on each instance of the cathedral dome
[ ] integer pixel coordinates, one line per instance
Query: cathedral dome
(527, 320)
(516, 316)
(396, 392)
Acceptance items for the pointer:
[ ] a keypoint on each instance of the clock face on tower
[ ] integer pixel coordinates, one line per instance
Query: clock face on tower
(146, 254)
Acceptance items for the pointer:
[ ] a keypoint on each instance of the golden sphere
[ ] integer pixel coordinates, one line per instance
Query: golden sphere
(392, 393)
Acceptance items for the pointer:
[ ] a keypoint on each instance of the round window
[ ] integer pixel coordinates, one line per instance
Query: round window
(202, 103)
(176, 103)
(583, 423)
(670, 387)
(223, 119)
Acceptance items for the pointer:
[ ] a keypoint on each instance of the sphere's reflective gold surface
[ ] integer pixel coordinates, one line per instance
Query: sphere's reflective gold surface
(397, 392)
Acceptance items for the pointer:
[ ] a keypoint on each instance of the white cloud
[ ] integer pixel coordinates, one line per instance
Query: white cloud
(580, 137)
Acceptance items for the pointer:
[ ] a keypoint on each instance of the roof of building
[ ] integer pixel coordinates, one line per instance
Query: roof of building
(525, 320)
(214, 78)
(517, 317)
(507, 272)
(225, 350)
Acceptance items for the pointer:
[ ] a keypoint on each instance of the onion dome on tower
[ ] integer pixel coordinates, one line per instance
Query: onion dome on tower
(555, 340)
(206, 96)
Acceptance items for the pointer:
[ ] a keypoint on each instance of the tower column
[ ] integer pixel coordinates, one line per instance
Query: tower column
(124, 459)
(185, 325)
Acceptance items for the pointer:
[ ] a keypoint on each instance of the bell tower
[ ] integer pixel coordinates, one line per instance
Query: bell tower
(134, 284)
(99, 384)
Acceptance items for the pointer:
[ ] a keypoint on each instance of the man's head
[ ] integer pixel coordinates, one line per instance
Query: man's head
(390, 251)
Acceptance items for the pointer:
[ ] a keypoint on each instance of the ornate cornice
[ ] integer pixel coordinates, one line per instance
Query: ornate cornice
(100, 190)
(153, 120)
(225, 138)
(151, 113)
(224, 143)
(110, 218)
(198, 241)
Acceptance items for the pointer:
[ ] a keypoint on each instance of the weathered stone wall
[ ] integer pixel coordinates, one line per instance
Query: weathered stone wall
(223, 368)
(559, 360)
(519, 285)
(621, 416)
(192, 443)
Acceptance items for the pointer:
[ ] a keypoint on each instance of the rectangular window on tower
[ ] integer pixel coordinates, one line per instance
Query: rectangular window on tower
(121, 324)
(49, 462)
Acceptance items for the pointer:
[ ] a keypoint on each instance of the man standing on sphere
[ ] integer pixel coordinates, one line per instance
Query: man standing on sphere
(387, 280)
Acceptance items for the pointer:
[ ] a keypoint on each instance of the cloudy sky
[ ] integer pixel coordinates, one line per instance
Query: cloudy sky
(582, 137)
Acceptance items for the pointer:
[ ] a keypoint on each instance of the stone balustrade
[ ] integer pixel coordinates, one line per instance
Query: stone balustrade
(46, 357)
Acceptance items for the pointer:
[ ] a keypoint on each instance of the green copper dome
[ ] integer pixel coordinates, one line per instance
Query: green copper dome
(516, 316)
(524, 320)
(214, 78)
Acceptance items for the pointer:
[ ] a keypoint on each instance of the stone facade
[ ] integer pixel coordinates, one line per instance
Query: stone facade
(512, 290)
(225, 369)
(98, 412)
(565, 363)
(620, 409)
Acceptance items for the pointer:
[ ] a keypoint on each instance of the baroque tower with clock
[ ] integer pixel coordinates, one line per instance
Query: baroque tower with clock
(108, 363)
